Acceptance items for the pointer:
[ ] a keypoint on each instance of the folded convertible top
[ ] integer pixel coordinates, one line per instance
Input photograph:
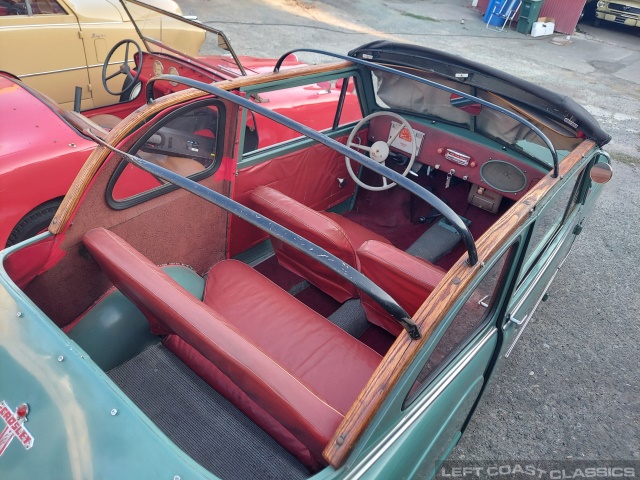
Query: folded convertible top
(560, 107)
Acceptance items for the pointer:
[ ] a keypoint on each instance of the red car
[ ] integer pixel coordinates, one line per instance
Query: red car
(43, 146)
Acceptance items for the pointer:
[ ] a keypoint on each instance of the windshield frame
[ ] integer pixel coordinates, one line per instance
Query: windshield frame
(223, 40)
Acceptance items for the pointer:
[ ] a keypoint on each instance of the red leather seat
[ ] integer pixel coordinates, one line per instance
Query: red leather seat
(288, 368)
(409, 280)
(331, 231)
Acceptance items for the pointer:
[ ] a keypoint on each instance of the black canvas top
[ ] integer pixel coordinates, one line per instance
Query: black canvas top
(559, 107)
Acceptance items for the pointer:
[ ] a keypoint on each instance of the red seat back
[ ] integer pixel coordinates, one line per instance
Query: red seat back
(409, 280)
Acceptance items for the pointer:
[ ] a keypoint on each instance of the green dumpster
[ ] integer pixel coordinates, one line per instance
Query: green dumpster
(529, 13)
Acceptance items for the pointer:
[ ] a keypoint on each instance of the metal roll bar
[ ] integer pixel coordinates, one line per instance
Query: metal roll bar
(404, 182)
(384, 68)
(327, 259)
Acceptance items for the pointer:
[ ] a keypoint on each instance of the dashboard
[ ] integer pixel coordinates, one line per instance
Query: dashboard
(486, 167)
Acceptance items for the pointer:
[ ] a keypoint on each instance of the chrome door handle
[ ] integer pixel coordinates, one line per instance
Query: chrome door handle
(482, 301)
(513, 319)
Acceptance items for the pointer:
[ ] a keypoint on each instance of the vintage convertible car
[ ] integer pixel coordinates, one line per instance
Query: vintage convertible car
(59, 44)
(331, 306)
(43, 146)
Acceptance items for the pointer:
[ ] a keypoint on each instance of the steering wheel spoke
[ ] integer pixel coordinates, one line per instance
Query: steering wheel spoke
(395, 135)
(113, 75)
(358, 146)
(380, 150)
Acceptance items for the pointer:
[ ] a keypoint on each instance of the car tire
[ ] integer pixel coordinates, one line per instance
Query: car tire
(34, 222)
(596, 22)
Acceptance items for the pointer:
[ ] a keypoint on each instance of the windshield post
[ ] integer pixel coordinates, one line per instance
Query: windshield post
(188, 21)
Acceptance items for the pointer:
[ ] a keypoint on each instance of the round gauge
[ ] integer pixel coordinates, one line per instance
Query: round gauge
(503, 176)
(158, 68)
(173, 71)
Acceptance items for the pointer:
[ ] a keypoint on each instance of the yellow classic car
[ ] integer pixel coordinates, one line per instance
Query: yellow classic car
(623, 12)
(55, 45)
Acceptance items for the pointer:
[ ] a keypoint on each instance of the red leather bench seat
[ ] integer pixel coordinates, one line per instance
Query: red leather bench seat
(282, 360)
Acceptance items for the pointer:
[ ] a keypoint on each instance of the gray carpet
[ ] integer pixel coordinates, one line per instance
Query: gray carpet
(215, 434)
(436, 242)
(350, 317)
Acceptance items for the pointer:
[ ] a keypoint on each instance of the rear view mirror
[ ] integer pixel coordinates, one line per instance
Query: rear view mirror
(601, 172)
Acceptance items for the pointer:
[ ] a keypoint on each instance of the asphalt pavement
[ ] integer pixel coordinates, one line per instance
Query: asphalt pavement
(571, 388)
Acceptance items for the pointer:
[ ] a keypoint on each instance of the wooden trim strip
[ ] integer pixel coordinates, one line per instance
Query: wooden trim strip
(431, 313)
(124, 128)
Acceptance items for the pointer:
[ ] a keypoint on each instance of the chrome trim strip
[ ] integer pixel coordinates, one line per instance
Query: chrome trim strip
(48, 25)
(62, 70)
(540, 273)
(417, 410)
(525, 322)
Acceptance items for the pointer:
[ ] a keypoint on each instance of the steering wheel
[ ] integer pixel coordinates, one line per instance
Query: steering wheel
(124, 68)
(379, 151)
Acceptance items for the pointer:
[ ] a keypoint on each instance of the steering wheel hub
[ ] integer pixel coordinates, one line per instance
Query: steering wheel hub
(379, 151)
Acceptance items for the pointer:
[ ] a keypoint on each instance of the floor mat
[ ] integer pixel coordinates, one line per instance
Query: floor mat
(282, 277)
(215, 434)
(436, 242)
(350, 317)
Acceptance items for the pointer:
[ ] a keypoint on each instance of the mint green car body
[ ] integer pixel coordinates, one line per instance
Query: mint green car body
(85, 427)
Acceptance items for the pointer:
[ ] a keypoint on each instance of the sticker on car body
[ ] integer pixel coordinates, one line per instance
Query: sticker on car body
(14, 426)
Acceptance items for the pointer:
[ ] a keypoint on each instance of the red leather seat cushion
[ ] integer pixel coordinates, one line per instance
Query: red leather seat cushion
(336, 234)
(293, 363)
(409, 280)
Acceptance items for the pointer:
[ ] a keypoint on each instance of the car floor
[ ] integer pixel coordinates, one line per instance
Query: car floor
(208, 427)
(200, 421)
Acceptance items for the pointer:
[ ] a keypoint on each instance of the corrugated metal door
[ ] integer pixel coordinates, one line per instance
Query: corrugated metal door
(565, 12)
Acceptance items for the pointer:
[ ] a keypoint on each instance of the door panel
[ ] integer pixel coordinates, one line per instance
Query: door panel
(46, 52)
(433, 423)
(533, 288)
(422, 428)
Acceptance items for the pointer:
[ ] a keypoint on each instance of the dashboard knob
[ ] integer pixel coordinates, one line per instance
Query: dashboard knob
(472, 164)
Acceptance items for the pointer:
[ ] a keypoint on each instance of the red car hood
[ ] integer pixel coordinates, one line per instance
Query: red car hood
(253, 65)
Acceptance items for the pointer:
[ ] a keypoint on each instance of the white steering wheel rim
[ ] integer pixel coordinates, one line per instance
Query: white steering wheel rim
(350, 144)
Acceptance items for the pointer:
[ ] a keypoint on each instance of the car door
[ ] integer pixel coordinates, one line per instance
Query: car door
(441, 396)
(551, 236)
(41, 45)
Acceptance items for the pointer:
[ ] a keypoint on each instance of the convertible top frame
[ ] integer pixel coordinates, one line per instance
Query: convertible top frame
(431, 83)
(404, 182)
